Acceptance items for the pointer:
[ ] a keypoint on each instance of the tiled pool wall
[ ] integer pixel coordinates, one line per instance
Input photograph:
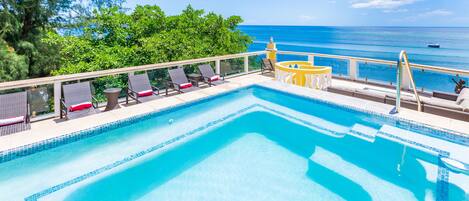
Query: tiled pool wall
(11, 154)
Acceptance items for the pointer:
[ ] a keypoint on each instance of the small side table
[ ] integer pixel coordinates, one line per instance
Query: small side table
(112, 95)
(195, 78)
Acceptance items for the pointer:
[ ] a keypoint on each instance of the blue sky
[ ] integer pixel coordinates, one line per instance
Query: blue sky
(329, 12)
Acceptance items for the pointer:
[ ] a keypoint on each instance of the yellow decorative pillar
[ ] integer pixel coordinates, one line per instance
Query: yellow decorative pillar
(272, 50)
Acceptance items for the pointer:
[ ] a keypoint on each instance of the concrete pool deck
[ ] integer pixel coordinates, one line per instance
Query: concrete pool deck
(52, 128)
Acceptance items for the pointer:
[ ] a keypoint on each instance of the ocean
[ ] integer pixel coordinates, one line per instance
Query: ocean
(374, 42)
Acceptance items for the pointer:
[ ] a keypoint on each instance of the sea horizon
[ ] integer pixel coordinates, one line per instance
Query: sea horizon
(377, 42)
(384, 26)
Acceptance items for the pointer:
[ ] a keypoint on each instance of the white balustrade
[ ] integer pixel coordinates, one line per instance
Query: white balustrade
(246, 64)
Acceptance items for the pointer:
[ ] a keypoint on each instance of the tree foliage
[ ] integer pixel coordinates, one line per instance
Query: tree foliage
(113, 39)
(22, 24)
(12, 66)
(51, 37)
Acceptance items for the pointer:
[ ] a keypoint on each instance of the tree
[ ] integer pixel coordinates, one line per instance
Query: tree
(12, 66)
(22, 26)
(114, 39)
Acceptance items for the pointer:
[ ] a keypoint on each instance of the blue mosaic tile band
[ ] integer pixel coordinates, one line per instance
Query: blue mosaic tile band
(442, 182)
(371, 138)
(441, 153)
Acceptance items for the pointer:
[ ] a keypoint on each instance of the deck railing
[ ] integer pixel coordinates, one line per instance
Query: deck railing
(440, 80)
(352, 65)
(57, 81)
(354, 60)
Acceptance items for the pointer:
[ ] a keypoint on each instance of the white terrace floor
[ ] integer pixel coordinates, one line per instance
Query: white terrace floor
(52, 128)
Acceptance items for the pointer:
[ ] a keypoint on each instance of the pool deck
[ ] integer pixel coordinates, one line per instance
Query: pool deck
(52, 128)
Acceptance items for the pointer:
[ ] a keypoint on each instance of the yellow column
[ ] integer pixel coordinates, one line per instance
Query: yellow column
(272, 50)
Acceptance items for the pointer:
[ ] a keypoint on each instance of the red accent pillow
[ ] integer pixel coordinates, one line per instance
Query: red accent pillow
(145, 93)
(214, 78)
(185, 85)
(80, 106)
(11, 121)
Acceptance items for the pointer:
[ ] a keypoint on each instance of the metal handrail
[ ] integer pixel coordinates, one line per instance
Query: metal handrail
(403, 57)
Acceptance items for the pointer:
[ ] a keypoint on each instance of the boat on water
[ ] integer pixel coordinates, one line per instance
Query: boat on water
(434, 45)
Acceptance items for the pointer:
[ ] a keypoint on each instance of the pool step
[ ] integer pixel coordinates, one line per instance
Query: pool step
(425, 143)
(407, 138)
(363, 132)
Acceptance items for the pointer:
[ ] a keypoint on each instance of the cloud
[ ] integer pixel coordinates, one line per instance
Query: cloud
(460, 20)
(382, 4)
(434, 14)
(396, 11)
(438, 12)
(306, 18)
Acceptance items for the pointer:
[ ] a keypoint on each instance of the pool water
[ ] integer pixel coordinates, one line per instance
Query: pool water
(251, 144)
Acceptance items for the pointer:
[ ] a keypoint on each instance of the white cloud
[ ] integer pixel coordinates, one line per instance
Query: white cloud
(396, 11)
(306, 18)
(434, 14)
(438, 12)
(382, 4)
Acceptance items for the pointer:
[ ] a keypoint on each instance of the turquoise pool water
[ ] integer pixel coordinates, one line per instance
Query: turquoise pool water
(251, 144)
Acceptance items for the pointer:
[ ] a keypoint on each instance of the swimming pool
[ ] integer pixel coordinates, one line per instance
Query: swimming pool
(254, 143)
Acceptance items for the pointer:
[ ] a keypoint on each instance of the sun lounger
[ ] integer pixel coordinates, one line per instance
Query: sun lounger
(14, 113)
(267, 66)
(140, 89)
(179, 81)
(209, 76)
(442, 104)
(77, 101)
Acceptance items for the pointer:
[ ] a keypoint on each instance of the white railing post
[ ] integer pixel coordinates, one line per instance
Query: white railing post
(311, 59)
(57, 96)
(353, 69)
(246, 64)
(217, 66)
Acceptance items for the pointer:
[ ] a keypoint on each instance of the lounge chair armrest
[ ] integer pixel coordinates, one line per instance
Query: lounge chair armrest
(63, 108)
(28, 113)
(222, 76)
(154, 88)
(93, 101)
(207, 77)
(132, 91)
(175, 84)
(192, 80)
(62, 104)
(444, 95)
